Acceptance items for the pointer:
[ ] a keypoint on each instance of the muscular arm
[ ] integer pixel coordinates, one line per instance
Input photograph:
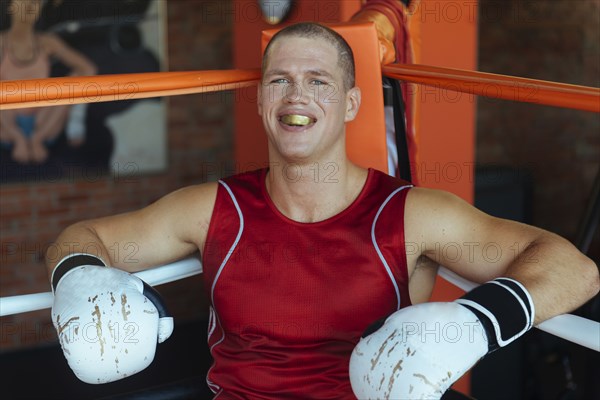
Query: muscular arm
(422, 280)
(165, 231)
(480, 247)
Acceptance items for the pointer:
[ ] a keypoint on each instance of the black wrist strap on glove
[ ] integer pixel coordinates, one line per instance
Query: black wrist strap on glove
(70, 262)
(504, 308)
(156, 299)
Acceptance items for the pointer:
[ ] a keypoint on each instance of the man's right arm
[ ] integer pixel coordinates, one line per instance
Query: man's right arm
(165, 231)
(115, 304)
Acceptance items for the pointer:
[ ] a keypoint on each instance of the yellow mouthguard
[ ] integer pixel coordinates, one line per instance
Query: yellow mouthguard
(296, 120)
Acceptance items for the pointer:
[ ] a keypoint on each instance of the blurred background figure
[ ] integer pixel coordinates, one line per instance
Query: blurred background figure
(27, 54)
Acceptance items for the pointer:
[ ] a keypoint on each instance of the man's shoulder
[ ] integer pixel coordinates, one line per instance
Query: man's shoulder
(429, 208)
(382, 178)
(199, 194)
(248, 177)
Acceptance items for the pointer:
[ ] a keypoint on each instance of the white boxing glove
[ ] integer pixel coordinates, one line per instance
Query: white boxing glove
(108, 321)
(421, 350)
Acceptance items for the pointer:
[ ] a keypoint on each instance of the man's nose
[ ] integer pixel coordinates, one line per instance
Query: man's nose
(295, 93)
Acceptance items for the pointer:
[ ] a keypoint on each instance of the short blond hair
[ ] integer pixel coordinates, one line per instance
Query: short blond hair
(313, 30)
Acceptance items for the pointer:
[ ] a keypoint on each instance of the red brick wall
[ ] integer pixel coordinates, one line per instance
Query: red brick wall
(554, 40)
(200, 132)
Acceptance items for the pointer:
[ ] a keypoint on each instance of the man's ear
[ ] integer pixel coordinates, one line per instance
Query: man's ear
(353, 98)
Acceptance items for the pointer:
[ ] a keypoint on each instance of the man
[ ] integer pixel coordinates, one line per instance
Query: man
(299, 259)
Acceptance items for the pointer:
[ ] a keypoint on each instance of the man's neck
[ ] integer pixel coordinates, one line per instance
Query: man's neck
(313, 191)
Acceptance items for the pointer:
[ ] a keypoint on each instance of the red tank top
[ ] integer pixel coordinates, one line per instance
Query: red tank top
(290, 300)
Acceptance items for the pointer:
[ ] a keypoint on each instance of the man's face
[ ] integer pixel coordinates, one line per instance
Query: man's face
(302, 100)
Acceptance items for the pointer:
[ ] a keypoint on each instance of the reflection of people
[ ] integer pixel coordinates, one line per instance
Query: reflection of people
(27, 54)
(300, 258)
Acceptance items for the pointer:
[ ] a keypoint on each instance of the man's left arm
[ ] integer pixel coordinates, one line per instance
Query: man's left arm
(528, 275)
(480, 248)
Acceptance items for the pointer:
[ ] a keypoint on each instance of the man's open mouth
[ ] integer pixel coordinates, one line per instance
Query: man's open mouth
(296, 120)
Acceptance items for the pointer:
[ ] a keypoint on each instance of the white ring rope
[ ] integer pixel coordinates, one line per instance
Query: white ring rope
(576, 329)
(154, 276)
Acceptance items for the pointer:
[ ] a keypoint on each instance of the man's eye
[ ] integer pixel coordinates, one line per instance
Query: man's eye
(279, 80)
(317, 82)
